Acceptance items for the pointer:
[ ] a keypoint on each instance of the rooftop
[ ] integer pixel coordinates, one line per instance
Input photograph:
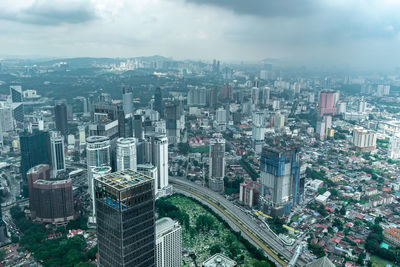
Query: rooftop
(96, 138)
(122, 180)
(219, 260)
(164, 225)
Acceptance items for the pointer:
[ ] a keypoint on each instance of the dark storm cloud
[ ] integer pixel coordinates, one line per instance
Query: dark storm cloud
(51, 13)
(265, 8)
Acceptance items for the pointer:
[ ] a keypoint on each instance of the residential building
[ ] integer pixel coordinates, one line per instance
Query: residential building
(249, 193)
(217, 164)
(326, 104)
(364, 140)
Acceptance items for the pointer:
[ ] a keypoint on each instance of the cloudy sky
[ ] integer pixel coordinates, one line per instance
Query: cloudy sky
(349, 32)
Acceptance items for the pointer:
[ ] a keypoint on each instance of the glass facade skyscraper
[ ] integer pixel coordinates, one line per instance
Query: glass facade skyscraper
(125, 219)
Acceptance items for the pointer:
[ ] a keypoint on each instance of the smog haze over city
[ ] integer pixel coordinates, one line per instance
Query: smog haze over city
(169, 133)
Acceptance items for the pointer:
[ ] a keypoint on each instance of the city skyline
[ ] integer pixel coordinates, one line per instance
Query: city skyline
(346, 34)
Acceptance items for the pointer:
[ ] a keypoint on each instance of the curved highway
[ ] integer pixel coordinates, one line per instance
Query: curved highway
(265, 240)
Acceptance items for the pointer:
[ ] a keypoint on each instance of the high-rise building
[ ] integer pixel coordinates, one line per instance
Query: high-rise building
(217, 164)
(280, 179)
(126, 154)
(264, 96)
(97, 155)
(16, 94)
(173, 113)
(35, 150)
(213, 98)
(279, 120)
(138, 127)
(364, 140)
(326, 104)
(127, 100)
(362, 106)
(197, 96)
(255, 93)
(394, 147)
(60, 111)
(258, 131)
(249, 193)
(125, 219)
(38, 172)
(168, 243)
(156, 153)
(53, 201)
(57, 153)
(158, 102)
(226, 92)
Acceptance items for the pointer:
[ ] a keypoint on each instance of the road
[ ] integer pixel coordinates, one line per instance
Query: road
(264, 239)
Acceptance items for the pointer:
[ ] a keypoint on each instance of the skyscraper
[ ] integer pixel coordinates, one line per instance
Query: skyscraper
(138, 127)
(127, 100)
(97, 155)
(226, 92)
(168, 243)
(35, 150)
(173, 114)
(125, 219)
(126, 154)
(217, 164)
(16, 93)
(60, 111)
(156, 153)
(158, 102)
(57, 153)
(326, 104)
(280, 179)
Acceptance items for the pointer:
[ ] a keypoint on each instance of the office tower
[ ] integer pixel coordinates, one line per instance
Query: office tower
(394, 147)
(125, 123)
(364, 140)
(279, 120)
(105, 128)
(280, 179)
(97, 155)
(57, 153)
(213, 98)
(173, 114)
(35, 150)
(16, 93)
(156, 153)
(264, 96)
(158, 102)
(125, 219)
(160, 127)
(258, 131)
(168, 243)
(53, 201)
(60, 111)
(226, 92)
(38, 172)
(127, 100)
(126, 154)
(217, 164)
(255, 95)
(138, 127)
(326, 104)
(197, 96)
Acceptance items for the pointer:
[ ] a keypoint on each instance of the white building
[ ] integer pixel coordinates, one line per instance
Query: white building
(168, 243)
(156, 153)
(394, 147)
(126, 153)
(364, 140)
(30, 94)
(97, 155)
(279, 120)
(219, 260)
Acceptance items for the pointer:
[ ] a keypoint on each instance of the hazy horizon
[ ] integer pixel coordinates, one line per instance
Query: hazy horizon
(356, 34)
